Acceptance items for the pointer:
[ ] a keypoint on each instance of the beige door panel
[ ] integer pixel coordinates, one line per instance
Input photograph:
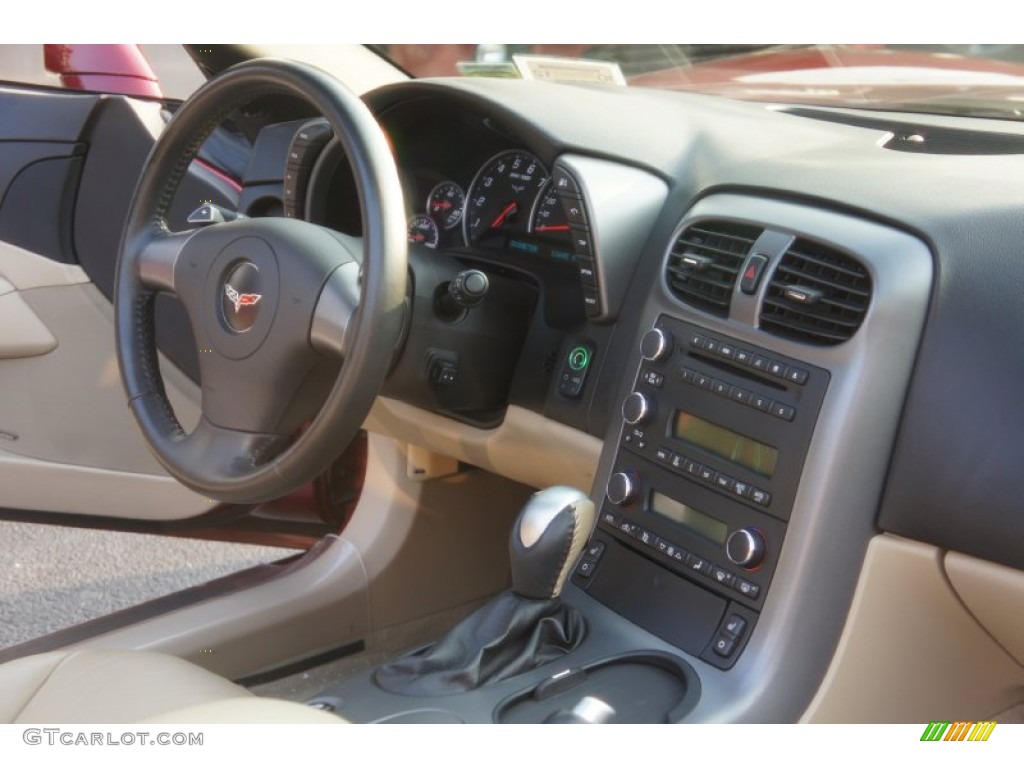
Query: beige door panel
(67, 440)
(995, 595)
(22, 333)
(910, 651)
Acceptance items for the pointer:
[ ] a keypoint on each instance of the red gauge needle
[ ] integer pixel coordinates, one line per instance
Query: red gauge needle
(417, 238)
(552, 228)
(442, 205)
(506, 212)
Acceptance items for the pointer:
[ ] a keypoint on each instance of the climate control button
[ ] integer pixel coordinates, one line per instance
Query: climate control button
(621, 488)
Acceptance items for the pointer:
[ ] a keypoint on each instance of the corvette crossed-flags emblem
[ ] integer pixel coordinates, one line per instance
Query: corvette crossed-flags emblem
(241, 299)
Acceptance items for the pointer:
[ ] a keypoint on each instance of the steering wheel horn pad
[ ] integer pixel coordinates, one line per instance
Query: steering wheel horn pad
(272, 302)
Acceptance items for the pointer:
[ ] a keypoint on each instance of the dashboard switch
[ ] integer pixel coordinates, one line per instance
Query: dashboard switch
(575, 366)
(621, 489)
(656, 345)
(752, 273)
(637, 408)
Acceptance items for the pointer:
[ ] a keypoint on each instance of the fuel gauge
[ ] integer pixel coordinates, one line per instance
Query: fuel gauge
(423, 231)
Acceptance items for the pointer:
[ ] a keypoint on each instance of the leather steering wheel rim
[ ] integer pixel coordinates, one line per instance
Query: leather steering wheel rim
(231, 462)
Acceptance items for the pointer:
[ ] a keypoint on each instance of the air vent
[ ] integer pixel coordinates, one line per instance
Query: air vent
(817, 295)
(705, 262)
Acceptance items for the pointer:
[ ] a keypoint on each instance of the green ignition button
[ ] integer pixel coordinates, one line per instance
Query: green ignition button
(574, 369)
(579, 358)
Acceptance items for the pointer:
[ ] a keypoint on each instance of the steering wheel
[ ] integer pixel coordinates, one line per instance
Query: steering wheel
(282, 310)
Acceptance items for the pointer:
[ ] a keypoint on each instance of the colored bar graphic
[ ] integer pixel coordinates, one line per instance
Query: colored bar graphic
(958, 731)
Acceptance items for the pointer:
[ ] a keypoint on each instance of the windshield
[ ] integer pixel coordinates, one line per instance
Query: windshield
(973, 80)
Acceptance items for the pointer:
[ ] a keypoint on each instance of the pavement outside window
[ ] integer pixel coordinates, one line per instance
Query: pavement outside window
(52, 577)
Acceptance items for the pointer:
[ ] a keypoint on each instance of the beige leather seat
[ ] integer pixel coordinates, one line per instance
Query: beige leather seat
(133, 687)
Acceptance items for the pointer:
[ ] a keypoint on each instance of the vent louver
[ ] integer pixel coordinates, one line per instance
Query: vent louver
(817, 295)
(705, 262)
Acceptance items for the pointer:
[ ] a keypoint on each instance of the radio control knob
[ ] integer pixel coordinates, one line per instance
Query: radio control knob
(656, 345)
(621, 488)
(746, 547)
(637, 408)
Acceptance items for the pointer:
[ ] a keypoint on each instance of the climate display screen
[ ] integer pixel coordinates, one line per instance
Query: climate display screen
(729, 445)
(698, 522)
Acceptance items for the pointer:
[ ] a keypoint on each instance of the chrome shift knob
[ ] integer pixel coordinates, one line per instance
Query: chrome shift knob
(547, 538)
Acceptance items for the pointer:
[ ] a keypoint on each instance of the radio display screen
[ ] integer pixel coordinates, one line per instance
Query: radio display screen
(729, 445)
(688, 517)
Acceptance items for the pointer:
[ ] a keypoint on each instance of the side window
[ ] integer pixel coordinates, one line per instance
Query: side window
(24, 64)
(146, 70)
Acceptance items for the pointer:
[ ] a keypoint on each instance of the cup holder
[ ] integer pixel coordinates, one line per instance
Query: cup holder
(638, 688)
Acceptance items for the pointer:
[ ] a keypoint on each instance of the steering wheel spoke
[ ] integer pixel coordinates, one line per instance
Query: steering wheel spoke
(225, 455)
(332, 317)
(157, 260)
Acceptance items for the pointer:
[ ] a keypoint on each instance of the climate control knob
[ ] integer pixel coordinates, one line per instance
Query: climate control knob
(746, 547)
(621, 488)
(637, 408)
(656, 345)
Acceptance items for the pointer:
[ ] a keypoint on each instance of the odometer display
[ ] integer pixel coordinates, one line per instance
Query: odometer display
(502, 196)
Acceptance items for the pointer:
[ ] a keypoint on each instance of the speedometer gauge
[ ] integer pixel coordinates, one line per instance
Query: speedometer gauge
(502, 195)
(445, 204)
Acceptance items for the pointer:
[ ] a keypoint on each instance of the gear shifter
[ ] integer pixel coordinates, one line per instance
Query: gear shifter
(519, 629)
(546, 540)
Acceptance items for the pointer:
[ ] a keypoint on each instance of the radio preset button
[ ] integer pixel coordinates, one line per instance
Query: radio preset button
(707, 474)
(720, 387)
(782, 411)
(664, 455)
(696, 341)
(689, 375)
(744, 356)
(759, 363)
(702, 381)
(761, 402)
(760, 497)
(775, 368)
(797, 375)
(727, 350)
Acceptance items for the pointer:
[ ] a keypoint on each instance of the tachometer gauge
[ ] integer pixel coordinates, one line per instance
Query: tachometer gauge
(423, 231)
(502, 195)
(445, 204)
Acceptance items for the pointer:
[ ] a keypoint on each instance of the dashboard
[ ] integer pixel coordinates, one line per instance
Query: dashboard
(789, 331)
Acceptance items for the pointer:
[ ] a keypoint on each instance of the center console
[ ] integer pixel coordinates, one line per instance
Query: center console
(712, 446)
(738, 485)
